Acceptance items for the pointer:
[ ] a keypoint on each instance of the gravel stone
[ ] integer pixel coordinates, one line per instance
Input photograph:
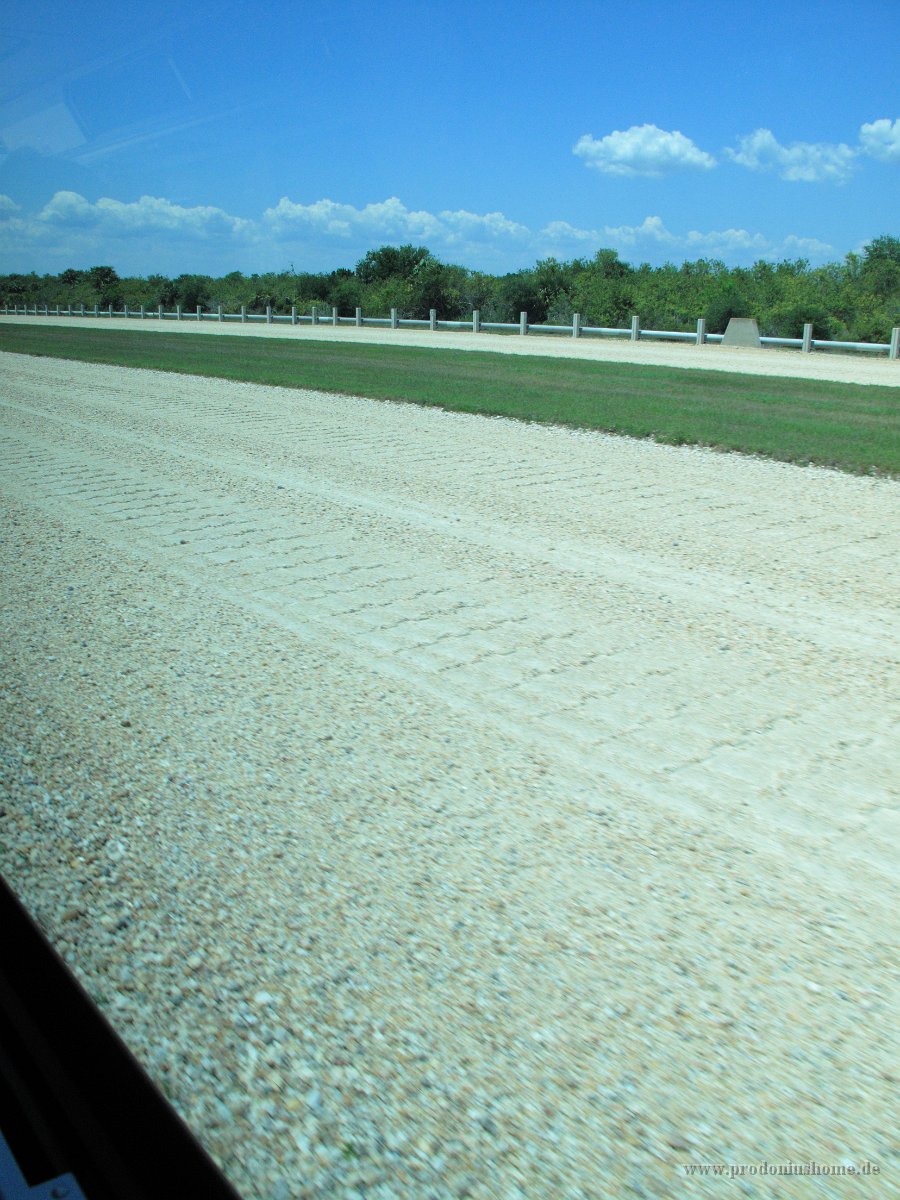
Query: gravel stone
(446, 853)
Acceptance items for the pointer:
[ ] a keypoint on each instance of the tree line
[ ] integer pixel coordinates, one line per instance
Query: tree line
(854, 300)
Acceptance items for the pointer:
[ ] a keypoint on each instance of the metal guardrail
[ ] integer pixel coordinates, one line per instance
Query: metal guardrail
(635, 333)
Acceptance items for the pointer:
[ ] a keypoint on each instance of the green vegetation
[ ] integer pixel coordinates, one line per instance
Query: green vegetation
(851, 427)
(856, 300)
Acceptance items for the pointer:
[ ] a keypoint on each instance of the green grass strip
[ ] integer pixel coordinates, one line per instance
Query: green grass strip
(848, 426)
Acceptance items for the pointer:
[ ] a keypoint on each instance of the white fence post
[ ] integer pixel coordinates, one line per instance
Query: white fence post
(476, 321)
(293, 314)
(635, 328)
(432, 319)
(143, 313)
(315, 315)
(807, 338)
(358, 318)
(219, 310)
(393, 318)
(243, 312)
(523, 323)
(178, 312)
(125, 307)
(110, 310)
(159, 313)
(268, 314)
(701, 331)
(894, 351)
(199, 313)
(576, 325)
(334, 317)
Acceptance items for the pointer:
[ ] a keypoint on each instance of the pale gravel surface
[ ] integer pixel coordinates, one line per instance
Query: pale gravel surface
(864, 367)
(445, 807)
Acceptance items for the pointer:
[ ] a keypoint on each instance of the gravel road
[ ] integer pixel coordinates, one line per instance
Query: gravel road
(442, 806)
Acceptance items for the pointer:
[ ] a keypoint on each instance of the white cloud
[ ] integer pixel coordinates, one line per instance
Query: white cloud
(566, 237)
(725, 240)
(881, 139)
(72, 228)
(651, 229)
(642, 150)
(69, 210)
(472, 225)
(389, 219)
(807, 247)
(562, 231)
(652, 235)
(154, 234)
(807, 162)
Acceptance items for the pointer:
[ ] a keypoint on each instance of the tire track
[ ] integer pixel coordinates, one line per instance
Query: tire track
(532, 592)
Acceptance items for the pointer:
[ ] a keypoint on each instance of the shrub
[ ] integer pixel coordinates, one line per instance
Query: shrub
(730, 302)
(787, 320)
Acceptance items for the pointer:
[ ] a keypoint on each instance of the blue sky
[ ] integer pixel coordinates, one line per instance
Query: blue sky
(160, 137)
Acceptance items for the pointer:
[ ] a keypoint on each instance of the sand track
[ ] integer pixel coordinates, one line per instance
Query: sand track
(587, 689)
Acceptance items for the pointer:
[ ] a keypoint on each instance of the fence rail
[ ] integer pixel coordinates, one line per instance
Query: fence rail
(577, 329)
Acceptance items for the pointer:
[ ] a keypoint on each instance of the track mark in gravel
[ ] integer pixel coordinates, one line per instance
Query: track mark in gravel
(584, 651)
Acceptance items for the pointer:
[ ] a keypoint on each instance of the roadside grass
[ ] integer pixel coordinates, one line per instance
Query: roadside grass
(850, 427)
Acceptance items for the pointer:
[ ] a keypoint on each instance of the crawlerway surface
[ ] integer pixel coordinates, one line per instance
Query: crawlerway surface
(443, 806)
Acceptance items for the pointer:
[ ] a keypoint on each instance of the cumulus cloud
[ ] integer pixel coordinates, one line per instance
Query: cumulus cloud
(806, 247)
(388, 219)
(651, 230)
(725, 240)
(806, 162)
(881, 139)
(154, 234)
(562, 231)
(642, 150)
(652, 235)
(149, 214)
(462, 224)
(390, 216)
